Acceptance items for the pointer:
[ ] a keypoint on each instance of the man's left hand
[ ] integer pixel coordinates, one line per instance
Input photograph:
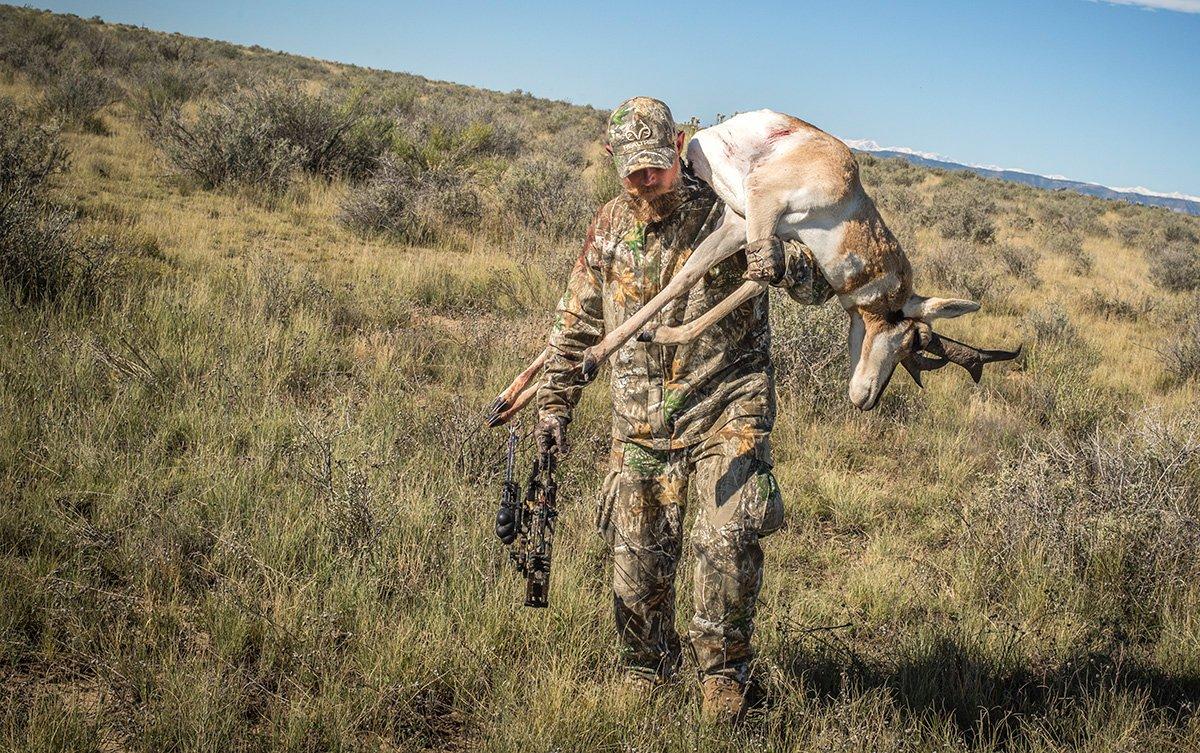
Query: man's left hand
(550, 435)
(765, 261)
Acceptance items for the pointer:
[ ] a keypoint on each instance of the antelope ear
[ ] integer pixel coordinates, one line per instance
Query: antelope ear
(928, 309)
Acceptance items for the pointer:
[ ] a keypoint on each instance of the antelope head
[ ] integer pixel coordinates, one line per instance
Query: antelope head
(878, 343)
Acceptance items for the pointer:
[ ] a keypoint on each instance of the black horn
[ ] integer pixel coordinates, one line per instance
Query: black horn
(915, 363)
(970, 358)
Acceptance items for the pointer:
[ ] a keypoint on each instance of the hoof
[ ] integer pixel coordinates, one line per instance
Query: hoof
(495, 412)
(499, 405)
(588, 368)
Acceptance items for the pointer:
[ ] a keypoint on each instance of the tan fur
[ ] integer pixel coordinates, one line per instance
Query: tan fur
(827, 170)
(821, 162)
(868, 238)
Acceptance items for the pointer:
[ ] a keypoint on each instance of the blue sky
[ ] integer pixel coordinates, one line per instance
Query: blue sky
(1100, 91)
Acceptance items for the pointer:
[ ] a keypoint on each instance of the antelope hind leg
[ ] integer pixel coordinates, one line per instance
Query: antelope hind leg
(691, 330)
(499, 417)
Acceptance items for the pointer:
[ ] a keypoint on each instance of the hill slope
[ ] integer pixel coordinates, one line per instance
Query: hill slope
(1041, 181)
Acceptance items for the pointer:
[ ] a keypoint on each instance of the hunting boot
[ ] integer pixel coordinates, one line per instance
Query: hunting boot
(724, 700)
(638, 688)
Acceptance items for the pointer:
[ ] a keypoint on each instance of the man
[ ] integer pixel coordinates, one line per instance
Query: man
(697, 413)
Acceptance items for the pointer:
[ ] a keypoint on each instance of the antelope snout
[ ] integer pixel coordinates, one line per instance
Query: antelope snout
(863, 394)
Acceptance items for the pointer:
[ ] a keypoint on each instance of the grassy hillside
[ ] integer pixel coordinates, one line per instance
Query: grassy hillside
(247, 501)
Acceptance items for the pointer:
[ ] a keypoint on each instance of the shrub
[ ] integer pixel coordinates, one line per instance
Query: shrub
(880, 171)
(1181, 352)
(444, 146)
(1050, 324)
(809, 354)
(1069, 212)
(605, 183)
(1019, 261)
(1130, 233)
(261, 136)
(77, 94)
(35, 241)
(412, 204)
(1018, 220)
(965, 269)
(1176, 267)
(1068, 244)
(429, 182)
(958, 267)
(1057, 389)
(229, 146)
(41, 256)
(1112, 306)
(162, 88)
(1120, 511)
(964, 215)
(545, 196)
(900, 201)
(1178, 231)
(336, 138)
(458, 128)
(31, 42)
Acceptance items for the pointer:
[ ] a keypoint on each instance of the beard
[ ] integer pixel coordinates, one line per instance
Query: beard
(652, 207)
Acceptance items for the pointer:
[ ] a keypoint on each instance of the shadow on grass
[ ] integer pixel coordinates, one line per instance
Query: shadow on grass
(992, 696)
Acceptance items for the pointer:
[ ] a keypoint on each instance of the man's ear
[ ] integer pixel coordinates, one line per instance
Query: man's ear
(608, 148)
(680, 136)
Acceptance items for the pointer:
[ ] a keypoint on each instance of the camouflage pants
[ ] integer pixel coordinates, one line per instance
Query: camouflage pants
(640, 515)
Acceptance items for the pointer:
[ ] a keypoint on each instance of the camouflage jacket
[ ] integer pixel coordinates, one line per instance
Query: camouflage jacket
(666, 396)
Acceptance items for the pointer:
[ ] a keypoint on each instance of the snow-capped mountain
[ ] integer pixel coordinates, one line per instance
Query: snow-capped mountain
(1178, 202)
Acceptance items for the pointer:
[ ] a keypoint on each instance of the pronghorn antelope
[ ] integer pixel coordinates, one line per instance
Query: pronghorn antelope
(783, 178)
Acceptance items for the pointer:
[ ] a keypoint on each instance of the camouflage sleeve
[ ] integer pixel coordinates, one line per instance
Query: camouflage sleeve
(578, 325)
(802, 279)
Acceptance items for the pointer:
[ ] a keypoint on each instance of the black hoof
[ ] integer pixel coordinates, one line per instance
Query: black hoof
(493, 418)
(499, 405)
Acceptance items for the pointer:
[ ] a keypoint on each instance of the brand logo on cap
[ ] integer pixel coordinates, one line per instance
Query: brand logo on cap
(633, 131)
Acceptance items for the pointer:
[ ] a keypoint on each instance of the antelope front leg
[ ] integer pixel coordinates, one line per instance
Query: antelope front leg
(499, 417)
(722, 242)
(516, 395)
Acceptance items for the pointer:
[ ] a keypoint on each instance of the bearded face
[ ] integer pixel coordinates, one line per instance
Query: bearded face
(653, 191)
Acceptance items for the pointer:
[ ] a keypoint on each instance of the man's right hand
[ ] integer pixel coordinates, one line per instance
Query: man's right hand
(550, 435)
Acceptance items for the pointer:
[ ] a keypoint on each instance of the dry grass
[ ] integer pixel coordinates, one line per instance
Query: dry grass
(248, 501)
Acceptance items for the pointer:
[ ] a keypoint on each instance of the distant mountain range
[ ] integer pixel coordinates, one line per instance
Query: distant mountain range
(1175, 202)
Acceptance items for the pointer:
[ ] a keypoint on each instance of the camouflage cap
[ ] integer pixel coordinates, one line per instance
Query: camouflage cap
(641, 133)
